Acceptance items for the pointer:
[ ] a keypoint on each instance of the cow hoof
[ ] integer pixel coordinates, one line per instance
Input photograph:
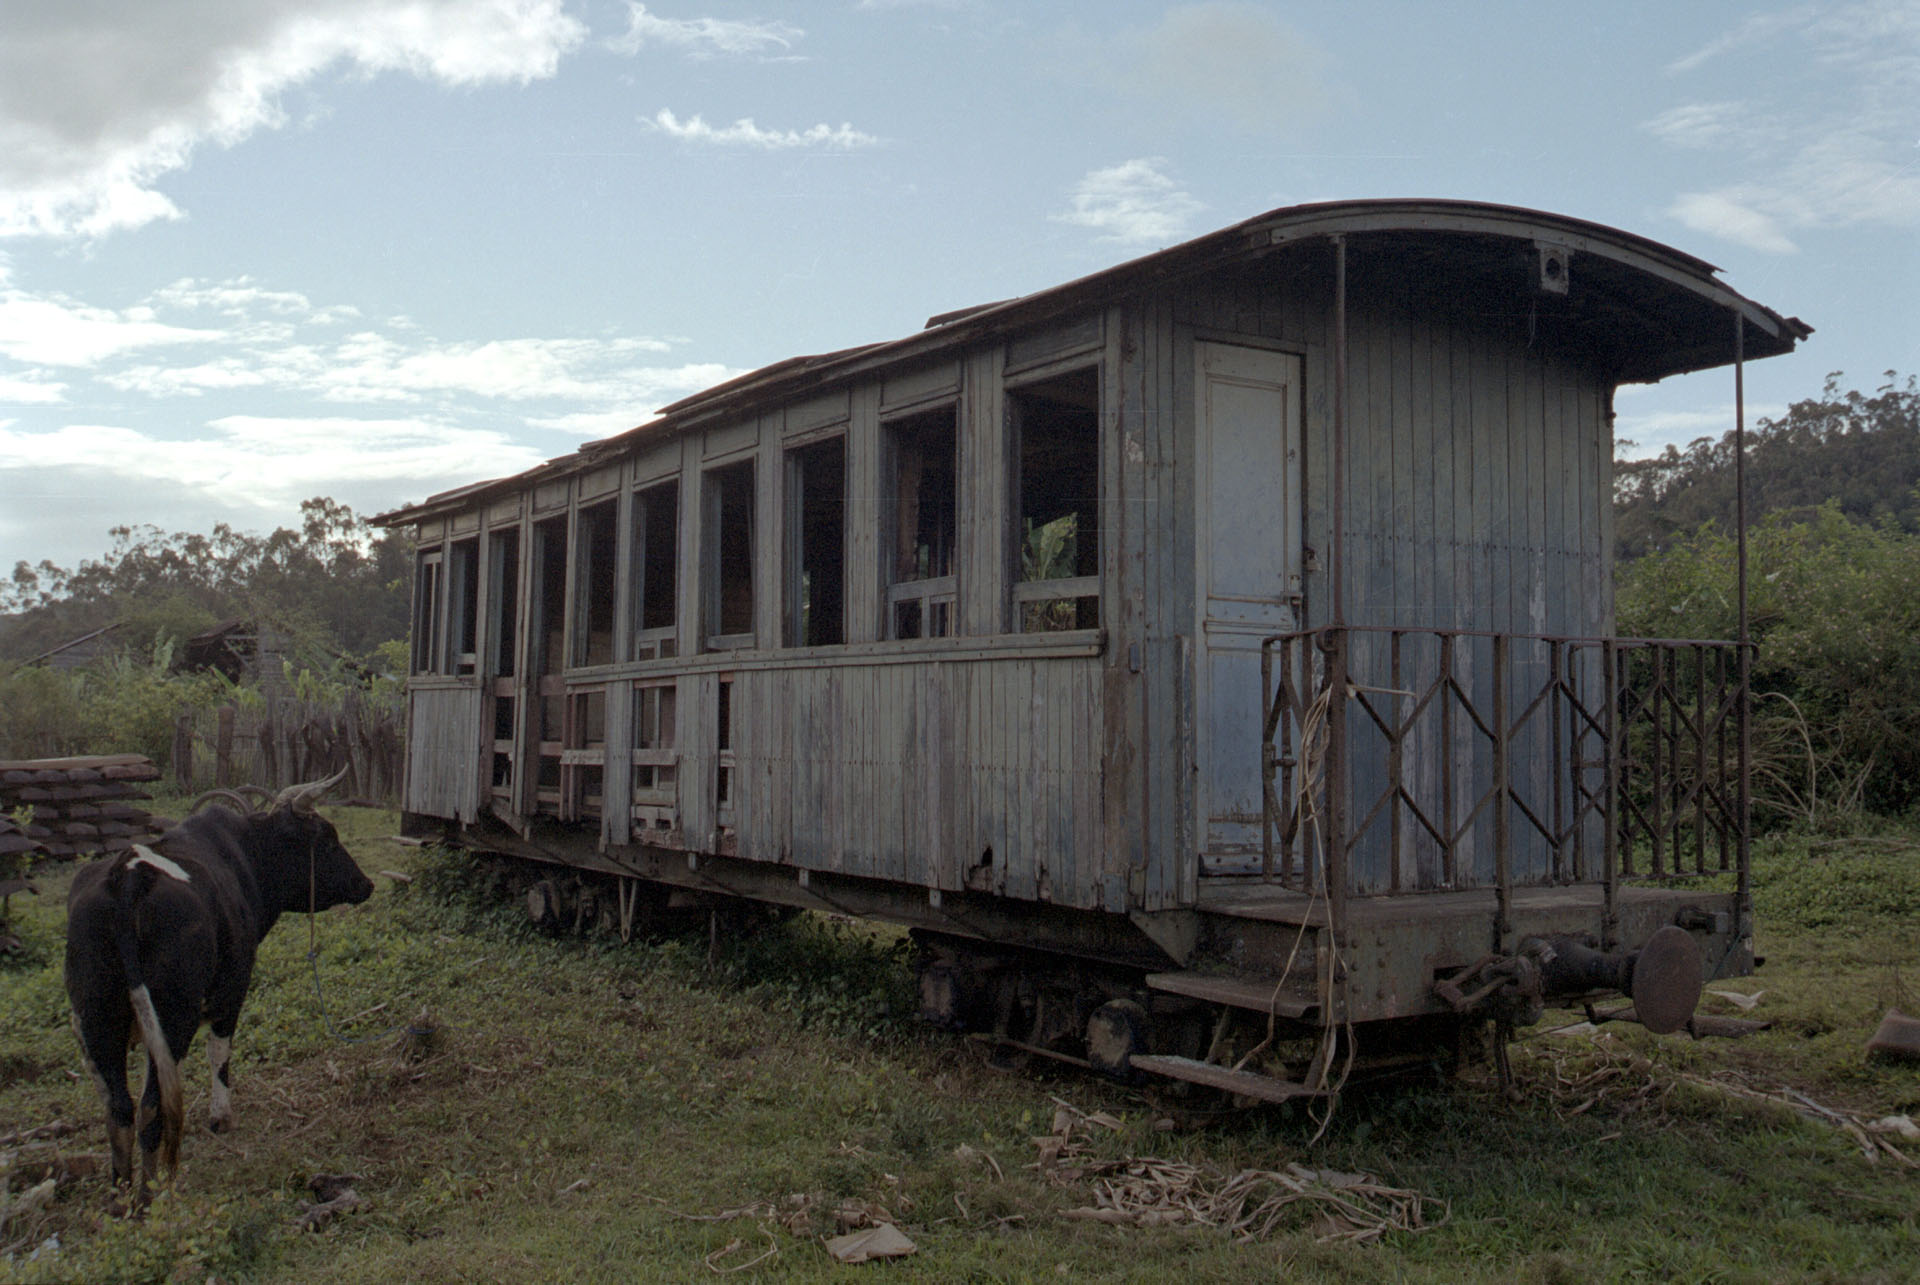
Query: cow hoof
(220, 1124)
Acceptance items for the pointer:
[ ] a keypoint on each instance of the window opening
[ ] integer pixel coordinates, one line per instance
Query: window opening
(724, 762)
(1056, 427)
(593, 568)
(655, 559)
(583, 760)
(503, 591)
(549, 593)
(656, 764)
(925, 505)
(463, 607)
(548, 621)
(817, 571)
(729, 541)
(426, 611)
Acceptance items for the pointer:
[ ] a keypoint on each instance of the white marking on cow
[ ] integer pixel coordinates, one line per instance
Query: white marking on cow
(167, 1071)
(219, 1051)
(146, 856)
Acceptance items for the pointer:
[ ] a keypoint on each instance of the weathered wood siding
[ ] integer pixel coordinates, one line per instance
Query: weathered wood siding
(443, 761)
(947, 774)
(1479, 469)
(1282, 305)
(1478, 488)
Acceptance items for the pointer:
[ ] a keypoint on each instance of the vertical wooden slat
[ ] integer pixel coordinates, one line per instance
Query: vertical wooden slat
(1503, 794)
(1122, 594)
(985, 502)
(689, 583)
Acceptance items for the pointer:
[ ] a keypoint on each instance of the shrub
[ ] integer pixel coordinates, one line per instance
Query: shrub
(1835, 612)
(119, 706)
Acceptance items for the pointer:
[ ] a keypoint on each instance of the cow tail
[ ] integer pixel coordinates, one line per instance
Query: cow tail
(131, 883)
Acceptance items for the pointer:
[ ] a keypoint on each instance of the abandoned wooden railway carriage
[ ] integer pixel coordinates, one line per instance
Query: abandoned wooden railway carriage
(1223, 635)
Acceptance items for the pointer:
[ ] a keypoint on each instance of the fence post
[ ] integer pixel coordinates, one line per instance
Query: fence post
(223, 748)
(183, 751)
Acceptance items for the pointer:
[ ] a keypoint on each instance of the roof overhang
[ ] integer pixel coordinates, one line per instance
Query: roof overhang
(1637, 308)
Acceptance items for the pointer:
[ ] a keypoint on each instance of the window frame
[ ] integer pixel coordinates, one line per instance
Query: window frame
(1028, 594)
(712, 555)
(795, 566)
(660, 641)
(930, 597)
(428, 613)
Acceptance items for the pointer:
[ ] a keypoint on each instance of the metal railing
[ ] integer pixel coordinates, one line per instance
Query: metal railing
(1400, 760)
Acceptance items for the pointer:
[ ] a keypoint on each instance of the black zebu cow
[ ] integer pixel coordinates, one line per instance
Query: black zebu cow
(162, 938)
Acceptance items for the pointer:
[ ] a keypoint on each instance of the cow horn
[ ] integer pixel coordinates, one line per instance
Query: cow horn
(223, 794)
(301, 798)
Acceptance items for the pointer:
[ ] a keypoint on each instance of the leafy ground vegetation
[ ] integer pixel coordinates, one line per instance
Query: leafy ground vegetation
(587, 1110)
(334, 589)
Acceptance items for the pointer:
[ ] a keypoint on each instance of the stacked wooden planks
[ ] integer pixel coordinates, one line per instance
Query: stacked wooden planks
(81, 805)
(14, 839)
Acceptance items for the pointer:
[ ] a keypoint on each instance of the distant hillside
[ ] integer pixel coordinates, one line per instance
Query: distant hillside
(1860, 451)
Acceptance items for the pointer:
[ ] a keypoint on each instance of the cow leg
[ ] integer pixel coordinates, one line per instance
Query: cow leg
(162, 1105)
(219, 1056)
(103, 1046)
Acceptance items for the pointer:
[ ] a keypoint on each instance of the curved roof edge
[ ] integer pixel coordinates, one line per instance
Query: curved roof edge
(1253, 237)
(1286, 225)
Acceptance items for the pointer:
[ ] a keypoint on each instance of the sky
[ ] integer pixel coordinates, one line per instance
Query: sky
(254, 251)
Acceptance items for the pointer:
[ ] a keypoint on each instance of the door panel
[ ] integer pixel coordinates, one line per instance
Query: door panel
(1247, 536)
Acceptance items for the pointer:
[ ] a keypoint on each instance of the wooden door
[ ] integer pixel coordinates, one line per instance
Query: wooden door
(1247, 540)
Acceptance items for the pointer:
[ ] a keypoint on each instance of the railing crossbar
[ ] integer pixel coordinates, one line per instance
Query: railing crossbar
(1615, 764)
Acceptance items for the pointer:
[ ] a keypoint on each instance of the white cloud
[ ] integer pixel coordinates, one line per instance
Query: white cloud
(591, 426)
(1699, 124)
(283, 385)
(1732, 215)
(279, 343)
(1847, 158)
(270, 462)
(1754, 30)
(369, 367)
(98, 103)
(30, 388)
(53, 330)
(242, 296)
(704, 37)
(744, 133)
(1132, 202)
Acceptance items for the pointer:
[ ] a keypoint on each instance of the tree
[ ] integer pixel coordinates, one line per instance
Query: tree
(334, 582)
(1860, 452)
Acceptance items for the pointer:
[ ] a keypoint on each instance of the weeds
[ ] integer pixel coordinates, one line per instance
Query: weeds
(589, 1110)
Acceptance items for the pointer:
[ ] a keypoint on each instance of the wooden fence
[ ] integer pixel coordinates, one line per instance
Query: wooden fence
(285, 741)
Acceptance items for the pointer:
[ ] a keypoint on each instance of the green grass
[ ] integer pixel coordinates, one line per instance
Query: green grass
(586, 1110)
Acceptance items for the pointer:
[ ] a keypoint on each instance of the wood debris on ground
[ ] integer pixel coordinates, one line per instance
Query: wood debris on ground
(1604, 1073)
(866, 1231)
(1143, 1191)
(333, 1195)
(883, 1240)
(1897, 1039)
(33, 1165)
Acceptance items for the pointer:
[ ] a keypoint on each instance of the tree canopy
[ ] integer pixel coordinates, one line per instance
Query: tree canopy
(1856, 451)
(1834, 589)
(333, 581)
